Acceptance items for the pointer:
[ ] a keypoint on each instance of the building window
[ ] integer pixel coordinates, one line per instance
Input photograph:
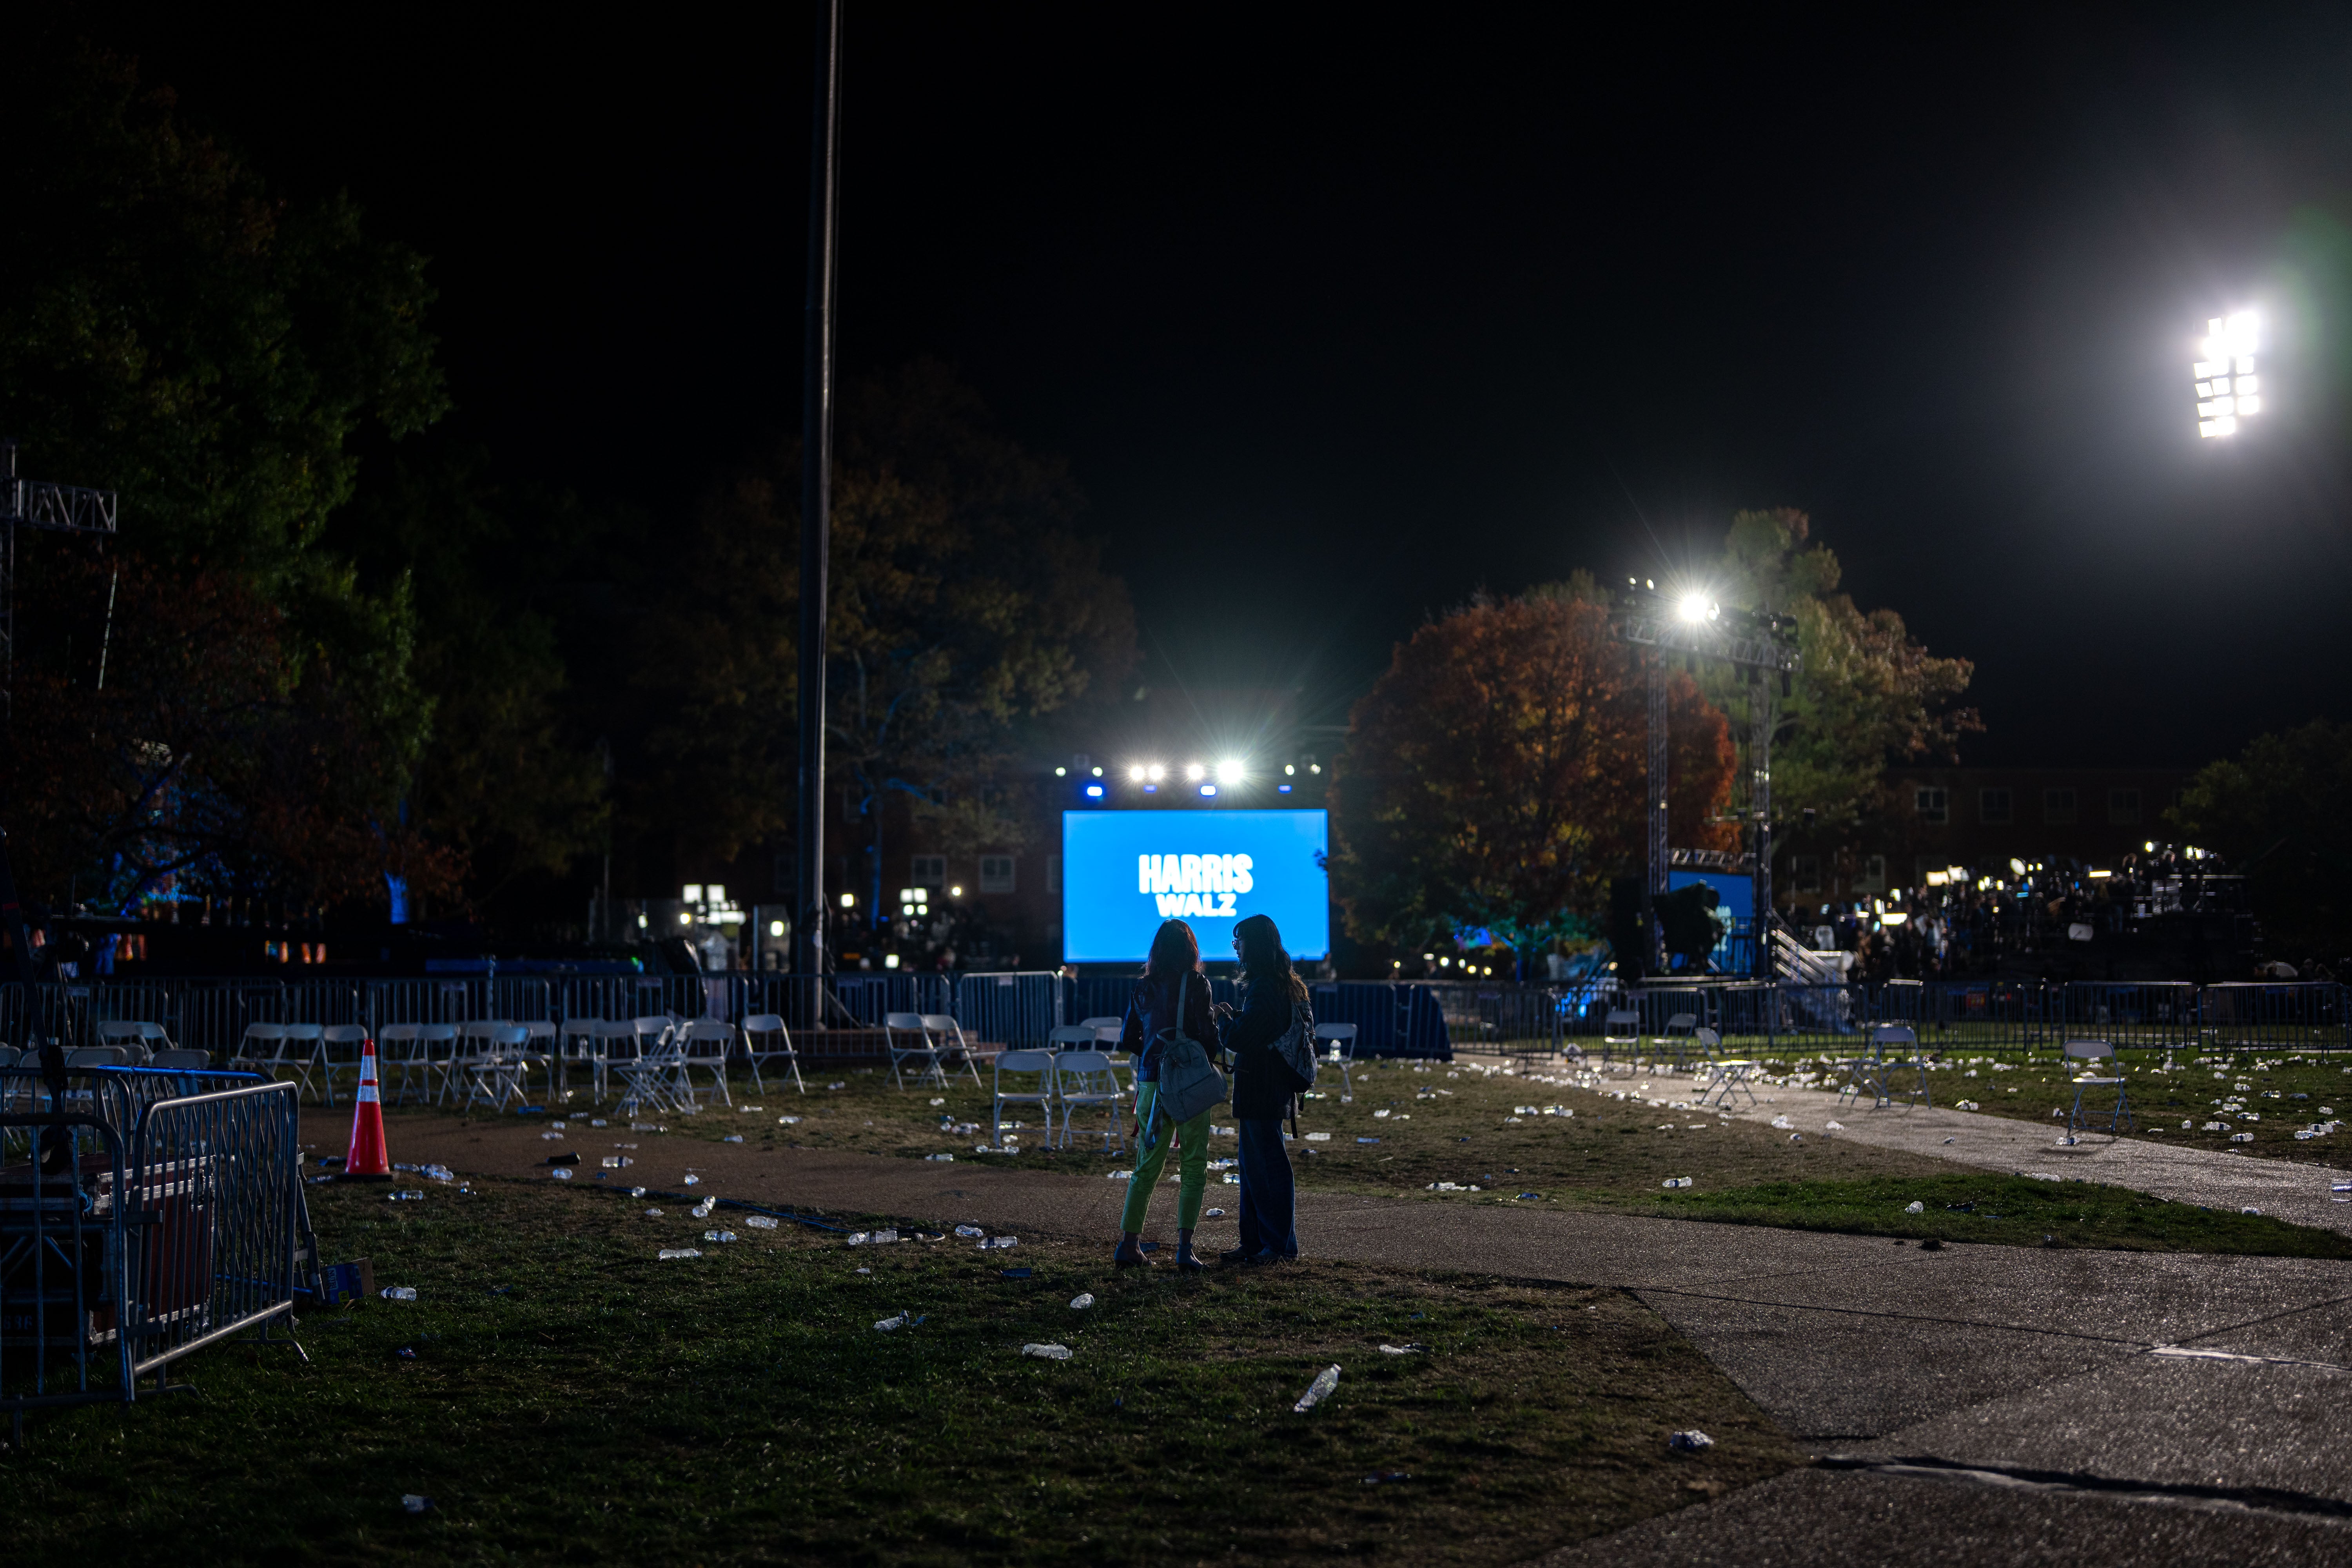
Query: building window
(930, 870)
(1932, 805)
(996, 873)
(1874, 875)
(2123, 805)
(2058, 806)
(1993, 806)
(1805, 873)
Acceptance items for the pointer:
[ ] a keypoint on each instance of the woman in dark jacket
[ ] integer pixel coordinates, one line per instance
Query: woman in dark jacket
(1171, 976)
(1271, 992)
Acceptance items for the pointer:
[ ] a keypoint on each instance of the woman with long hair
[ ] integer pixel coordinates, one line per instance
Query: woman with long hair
(1171, 996)
(1273, 997)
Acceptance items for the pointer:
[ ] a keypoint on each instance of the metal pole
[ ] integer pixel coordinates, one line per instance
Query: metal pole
(816, 495)
(1759, 764)
(1653, 936)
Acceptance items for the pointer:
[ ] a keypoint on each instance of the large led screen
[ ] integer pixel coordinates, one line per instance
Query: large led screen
(1123, 872)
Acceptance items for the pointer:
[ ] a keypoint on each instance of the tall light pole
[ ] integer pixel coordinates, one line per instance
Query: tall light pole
(809, 956)
(2227, 389)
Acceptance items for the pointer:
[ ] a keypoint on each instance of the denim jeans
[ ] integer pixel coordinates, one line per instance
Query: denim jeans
(1267, 1189)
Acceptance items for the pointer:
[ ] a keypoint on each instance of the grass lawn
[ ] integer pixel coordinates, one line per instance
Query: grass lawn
(563, 1394)
(1472, 1126)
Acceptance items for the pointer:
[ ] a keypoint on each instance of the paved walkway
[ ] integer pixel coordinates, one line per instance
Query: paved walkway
(1973, 1405)
(2290, 1190)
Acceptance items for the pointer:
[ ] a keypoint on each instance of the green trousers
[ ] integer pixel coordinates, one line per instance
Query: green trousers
(1194, 1171)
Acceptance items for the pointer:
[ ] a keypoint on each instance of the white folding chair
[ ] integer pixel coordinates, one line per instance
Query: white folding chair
(654, 1078)
(1732, 1075)
(1681, 1031)
(538, 1049)
(258, 1048)
(769, 1027)
(95, 1056)
(2096, 1056)
(339, 1049)
(1342, 1038)
(494, 1066)
(706, 1045)
(1085, 1080)
(127, 1037)
(401, 1049)
(305, 1051)
(178, 1060)
(1039, 1066)
(1623, 1028)
(943, 1027)
(907, 1038)
(474, 1044)
(436, 1045)
(1108, 1030)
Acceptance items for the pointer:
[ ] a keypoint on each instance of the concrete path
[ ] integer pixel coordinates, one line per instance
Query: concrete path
(2287, 1189)
(1977, 1405)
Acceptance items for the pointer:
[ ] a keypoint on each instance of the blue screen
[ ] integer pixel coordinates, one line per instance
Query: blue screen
(1123, 872)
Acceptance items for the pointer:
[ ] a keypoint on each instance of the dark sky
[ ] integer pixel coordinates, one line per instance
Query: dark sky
(1341, 315)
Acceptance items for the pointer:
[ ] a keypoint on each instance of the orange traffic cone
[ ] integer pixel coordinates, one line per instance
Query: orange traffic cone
(367, 1158)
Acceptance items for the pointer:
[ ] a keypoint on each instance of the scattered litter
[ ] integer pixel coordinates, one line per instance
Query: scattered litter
(938, 1101)
(1915, 1207)
(1796, 1137)
(1367, 1140)
(1047, 1352)
(1402, 1350)
(597, 1122)
(1782, 1122)
(616, 1161)
(693, 1181)
(398, 1292)
(551, 1137)
(669, 1252)
(1386, 1477)
(1690, 1442)
(413, 1197)
(842, 1084)
(1834, 1126)
(702, 1211)
(994, 1241)
(1082, 1301)
(786, 1120)
(2249, 1209)
(865, 1271)
(1230, 1180)
(970, 1230)
(759, 1222)
(2241, 1137)
(1523, 1196)
(636, 1192)
(1969, 1105)
(1318, 1391)
(1677, 1182)
(438, 1173)
(415, 1503)
(718, 1236)
(644, 1127)
(1951, 1140)
(887, 1325)
(1381, 1115)
(561, 1172)
(732, 1138)
(947, 1158)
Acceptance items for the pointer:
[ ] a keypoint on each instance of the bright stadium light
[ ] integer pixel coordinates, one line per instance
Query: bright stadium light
(1158, 773)
(1696, 607)
(1195, 772)
(1228, 772)
(2228, 390)
(1136, 772)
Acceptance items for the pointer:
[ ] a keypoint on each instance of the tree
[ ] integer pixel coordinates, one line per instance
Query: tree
(1494, 776)
(2282, 814)
(966, 610)
(1869, 693)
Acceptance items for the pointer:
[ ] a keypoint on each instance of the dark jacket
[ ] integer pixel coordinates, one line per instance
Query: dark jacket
(1261, 1087)
(1153, 1009)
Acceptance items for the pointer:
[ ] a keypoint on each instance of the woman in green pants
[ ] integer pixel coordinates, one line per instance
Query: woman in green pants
(1173, 994)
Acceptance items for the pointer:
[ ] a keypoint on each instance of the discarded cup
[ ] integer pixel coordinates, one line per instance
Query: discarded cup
(668, 1252)
(1047, 1352)
(1318, 1391)
(398, 1292)
(1213, 1213)
(1690, 1442)
(1082, 1301)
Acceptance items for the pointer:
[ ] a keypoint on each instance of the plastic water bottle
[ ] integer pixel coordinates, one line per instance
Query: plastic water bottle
(668, 1252)
(398, 1292)
(1690, 1442)
(1047, 1352)
(1081, 1302)
(1318, 1391)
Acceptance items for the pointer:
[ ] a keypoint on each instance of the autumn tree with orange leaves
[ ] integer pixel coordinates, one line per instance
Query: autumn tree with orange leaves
(1493, 778)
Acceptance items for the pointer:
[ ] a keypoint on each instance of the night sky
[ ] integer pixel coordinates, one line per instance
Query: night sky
(1340, 315)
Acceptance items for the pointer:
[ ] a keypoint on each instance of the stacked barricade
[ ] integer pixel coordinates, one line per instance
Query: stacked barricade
(143, 1216)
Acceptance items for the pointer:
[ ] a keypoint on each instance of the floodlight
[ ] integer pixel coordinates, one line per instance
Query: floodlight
(955, 892)
(1136, 772)
(1228, 772)
(849, 901)
(1158, 773)
(2227, 388)
(1097, 773)
(889, 961)
(685, 918)
(1696, 607)
(1195, 772)
(1957, 873)
(1289, 768)
(1061, 772)
(775, 927)
(2016, 867)
(2150, 846)
(692, 893)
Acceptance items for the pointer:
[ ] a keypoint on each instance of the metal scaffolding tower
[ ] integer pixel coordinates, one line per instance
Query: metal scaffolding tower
(35, 503)
(1759, 643)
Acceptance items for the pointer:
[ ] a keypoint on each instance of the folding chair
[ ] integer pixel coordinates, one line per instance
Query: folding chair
(1732, 1075)
(437, 1043)
(1623, 1028)
(496, 1064)
(261, 1049)
(707, 1044)
(895, 1029)
(475, 1046)
(178, 1060)
(402, 1048)
(1040, 1064)
(1343, 1051)
(1905, 1058)
(351, 1039)
(1085, 1080)
(305, 1051)
(653, 1078)
(762, 1027)
(581, 1040)
(538, 1049)
(2091, 1054)
(943, 1027)
(95, 1057)
(129, 1039)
